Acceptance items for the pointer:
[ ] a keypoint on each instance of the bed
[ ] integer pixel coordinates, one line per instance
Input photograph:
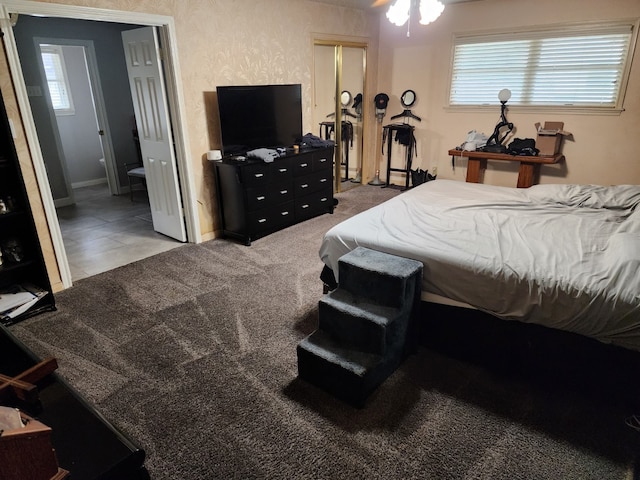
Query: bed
(563, 256)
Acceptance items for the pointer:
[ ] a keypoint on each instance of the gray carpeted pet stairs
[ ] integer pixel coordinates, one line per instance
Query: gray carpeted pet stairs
(365, 325)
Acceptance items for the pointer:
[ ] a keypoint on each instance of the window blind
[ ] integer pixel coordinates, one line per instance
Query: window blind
(551, 68)
(55, 72)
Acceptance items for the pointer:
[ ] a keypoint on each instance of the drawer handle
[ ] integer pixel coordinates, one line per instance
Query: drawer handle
(305, 206)
(322, 180)
(258, 175)
(304, 165)
(322, 160)
(260, 197)
(304, 185)
(284, 192)
(324, 199)
(262, 220)
(282, 170)
(284, 213)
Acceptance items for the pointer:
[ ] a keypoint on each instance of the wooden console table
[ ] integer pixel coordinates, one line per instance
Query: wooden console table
(529, 165)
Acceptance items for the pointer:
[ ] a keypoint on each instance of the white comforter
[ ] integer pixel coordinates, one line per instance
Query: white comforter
(564, 256)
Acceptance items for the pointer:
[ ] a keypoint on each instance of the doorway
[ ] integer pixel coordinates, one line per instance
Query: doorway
(45, 171)
(100, 231)
(65, 65)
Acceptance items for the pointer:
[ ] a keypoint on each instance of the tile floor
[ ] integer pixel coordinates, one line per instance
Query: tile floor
(102, 231)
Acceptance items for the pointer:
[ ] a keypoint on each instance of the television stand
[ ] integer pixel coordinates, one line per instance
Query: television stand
(257, 198)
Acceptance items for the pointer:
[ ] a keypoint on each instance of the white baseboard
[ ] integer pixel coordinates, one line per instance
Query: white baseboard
(89, 183)
(63, 202)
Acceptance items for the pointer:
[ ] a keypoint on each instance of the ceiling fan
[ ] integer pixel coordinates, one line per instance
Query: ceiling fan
(380, 3)
(400, 10)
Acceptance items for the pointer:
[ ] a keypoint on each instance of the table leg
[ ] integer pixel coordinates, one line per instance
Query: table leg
(474, 167)
(390, 134)
(527, 174)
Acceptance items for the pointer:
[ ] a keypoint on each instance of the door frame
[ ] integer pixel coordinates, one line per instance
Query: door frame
(167, 32)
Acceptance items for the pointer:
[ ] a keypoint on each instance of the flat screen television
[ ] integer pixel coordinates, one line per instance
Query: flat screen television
(259, 116)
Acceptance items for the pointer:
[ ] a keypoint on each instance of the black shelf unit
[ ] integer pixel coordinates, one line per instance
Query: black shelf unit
(17, 224)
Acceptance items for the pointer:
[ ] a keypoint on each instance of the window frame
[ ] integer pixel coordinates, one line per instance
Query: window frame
(547, 31)
(53, 49)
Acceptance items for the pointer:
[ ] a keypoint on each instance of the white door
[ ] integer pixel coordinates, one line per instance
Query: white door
(152, 119)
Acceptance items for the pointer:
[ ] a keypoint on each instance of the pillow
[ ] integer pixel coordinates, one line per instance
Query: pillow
(621, 197)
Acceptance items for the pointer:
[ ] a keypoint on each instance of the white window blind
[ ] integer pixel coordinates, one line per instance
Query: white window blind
(55, 71)
(550, 68)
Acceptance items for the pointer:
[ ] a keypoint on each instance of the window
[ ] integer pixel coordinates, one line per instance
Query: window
(57, 81)
(583, 67)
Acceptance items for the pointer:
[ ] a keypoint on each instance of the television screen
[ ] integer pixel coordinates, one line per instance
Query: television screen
(259, 116)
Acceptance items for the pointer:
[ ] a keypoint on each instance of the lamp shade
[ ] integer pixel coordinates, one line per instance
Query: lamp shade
(504, 95)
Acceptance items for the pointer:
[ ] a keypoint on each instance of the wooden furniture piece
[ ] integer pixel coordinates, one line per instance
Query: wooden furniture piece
(27, 453)
(23, 385)
(86, 443)
(529, 165)
(25, 266)
(388, 134)
(257, 198)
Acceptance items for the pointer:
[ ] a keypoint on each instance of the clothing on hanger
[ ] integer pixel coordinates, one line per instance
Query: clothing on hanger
(407, 113)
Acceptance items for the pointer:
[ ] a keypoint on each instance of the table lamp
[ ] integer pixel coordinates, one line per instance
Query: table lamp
(494, 143)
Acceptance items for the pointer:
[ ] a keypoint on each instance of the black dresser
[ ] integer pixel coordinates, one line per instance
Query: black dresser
(258, 198)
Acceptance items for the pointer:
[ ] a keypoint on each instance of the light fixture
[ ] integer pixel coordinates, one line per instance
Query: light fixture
(494, 143)
(430, 10)
(400, 11)
(504, 95)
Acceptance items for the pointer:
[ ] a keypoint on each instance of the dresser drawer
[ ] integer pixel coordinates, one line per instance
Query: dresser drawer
(270, 218)
(322, 160)
(267, 195)
(302, 164)
(264, 173)
(312, 205)
(312, 183)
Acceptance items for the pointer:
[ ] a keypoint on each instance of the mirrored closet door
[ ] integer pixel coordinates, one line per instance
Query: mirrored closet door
(339, 89)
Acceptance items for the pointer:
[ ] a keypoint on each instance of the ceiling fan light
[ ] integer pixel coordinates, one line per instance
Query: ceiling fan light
(430, 10)
(398, 12)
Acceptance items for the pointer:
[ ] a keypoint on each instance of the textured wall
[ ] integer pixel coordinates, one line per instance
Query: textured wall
(603, 150)
(223, 42)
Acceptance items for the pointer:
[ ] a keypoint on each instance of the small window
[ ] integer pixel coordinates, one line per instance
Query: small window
(57, 80)
(573, 67)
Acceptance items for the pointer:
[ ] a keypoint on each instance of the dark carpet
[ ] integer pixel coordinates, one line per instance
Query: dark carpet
(192, 353)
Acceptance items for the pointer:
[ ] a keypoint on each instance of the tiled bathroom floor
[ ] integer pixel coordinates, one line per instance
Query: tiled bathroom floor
(102, 231)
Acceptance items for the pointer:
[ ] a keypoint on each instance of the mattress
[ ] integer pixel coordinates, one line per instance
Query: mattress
(563, 256)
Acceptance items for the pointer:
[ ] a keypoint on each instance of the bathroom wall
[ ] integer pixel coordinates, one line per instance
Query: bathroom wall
(79, 131)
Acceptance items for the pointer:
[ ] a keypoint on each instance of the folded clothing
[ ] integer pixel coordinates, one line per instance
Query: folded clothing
(266, 154)
(312, 140)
